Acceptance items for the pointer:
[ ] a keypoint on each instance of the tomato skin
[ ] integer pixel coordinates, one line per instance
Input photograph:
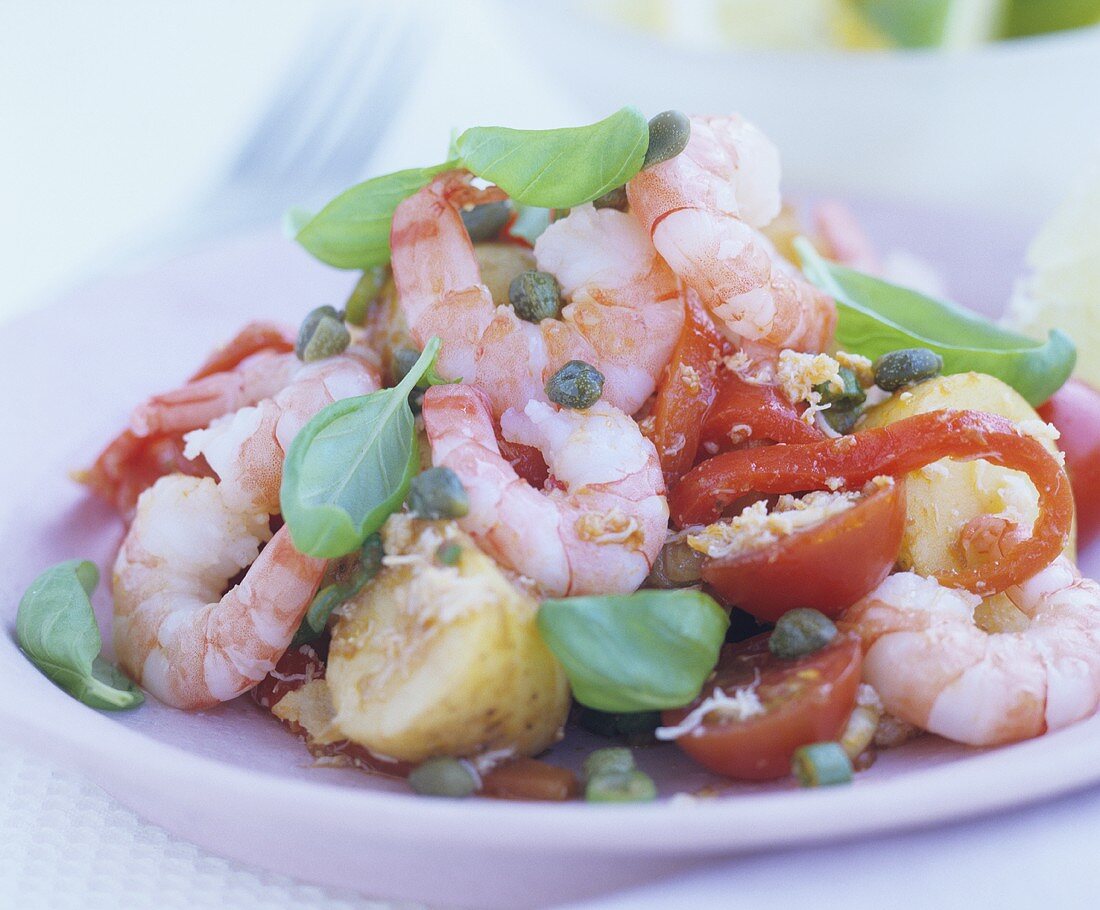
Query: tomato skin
(1075, 412)
(828, 566)
(761, 407)
(806, 700)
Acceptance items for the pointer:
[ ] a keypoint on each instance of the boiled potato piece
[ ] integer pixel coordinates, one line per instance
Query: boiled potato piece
(434, 659)
(942, 497)
(500, 263)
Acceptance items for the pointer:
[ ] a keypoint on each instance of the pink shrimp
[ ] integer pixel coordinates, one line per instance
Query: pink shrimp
(703, 209)
(935, 668)
(603, 519)
(623, 318)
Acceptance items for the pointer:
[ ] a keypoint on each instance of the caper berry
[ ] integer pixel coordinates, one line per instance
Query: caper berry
(448, 554)
(620, 787)
(535, 295)
(323, 334)
(612, 199)
(437, 493)
(444, 777)
(800, 632)
(485, 222)
(669, 133)
(576, 385)
(635, 726)
(365, 293)
(849, 396)
(909, 365)
(608, 761)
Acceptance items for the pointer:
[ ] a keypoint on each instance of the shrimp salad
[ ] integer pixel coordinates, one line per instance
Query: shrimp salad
(605, 436)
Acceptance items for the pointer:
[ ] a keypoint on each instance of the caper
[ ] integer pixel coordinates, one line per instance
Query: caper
(849, 396)
(535, 295)
(401, 361)
(323, 334)
(676, 565)
(576, 385)
(669, 133)
(842, 422)
(437, 493)
(485, 222)
(909, 365)
(612, 199)
(635, 726)
(799, 632)
(445, 777)
(448, 554)
(607, 761)
(620, 787)
(365, 293)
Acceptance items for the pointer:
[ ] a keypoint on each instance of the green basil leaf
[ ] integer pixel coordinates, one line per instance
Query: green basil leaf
(350, 467)
(57, 631)
(645, 651)
(876, 317)
(1033, 17)
(558, 168)
(353, 231)
(348, 584)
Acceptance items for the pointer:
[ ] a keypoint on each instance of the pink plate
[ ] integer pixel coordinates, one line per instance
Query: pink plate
(233, 781)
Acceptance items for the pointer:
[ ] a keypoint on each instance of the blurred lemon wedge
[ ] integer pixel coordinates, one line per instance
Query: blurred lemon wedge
(1063, 289)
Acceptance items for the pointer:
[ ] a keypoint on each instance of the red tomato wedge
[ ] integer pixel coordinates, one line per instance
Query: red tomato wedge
(1075, 412)
(895, 450)
(686, 391)
(761, 408)
(828, 566)
(253, 338)
(806, 700)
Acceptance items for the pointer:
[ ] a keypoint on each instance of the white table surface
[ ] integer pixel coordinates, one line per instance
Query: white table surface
(114, 116)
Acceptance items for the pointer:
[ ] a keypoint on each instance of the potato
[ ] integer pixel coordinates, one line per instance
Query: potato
(942, 497)
(500, 263)
(433, 659)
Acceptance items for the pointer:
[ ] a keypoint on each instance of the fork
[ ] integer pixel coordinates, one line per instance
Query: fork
(318, 129)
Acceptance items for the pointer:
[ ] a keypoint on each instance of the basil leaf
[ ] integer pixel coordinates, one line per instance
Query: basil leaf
(353, 230)
(558, 168)
(350, 467)
(56, 629)
(340, 591)
(876, 317)
(645, 651)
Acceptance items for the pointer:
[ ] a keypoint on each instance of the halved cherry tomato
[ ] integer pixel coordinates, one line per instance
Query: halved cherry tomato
(761, 407)
(253, 338)
(686, 391)
(828, 566)
(895, 450)
(805, 700)
(526, 460)
(1075, 412)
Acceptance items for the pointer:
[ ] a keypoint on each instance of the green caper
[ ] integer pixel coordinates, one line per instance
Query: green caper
(669, 133)
(612, 199)
(445, 777)
(901, 368)
(849, 396)
(799, 632)
(676, 565)
(535, 295)
(576, 385)
(365, 293)
(485, 222)
(401, 361)
(448, 554)
(635, 726)
(608, 761)
(620, 787)
(437, 493)
(323, 334)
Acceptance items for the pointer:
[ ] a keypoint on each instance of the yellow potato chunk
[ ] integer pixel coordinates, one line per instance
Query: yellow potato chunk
(441, 656)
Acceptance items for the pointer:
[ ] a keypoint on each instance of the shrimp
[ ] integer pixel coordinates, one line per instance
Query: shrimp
(935, 668)
(174, 631)
(704, 210)
(602, 521)
(624, 314)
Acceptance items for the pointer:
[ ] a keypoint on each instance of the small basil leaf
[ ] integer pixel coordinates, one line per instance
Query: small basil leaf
(353, 230)
(876, 317)
(558, 168)
(350, 467)
(645, 651)
(348, 583)
(57, 631)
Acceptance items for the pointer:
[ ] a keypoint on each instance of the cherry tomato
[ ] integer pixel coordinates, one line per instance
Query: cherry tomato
(253, 338)
(526, 460)
(805, 700)
(895, 450)
(1075, 412)
(828, 566)
(761, 408)
(686, 391)
(528, 778)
